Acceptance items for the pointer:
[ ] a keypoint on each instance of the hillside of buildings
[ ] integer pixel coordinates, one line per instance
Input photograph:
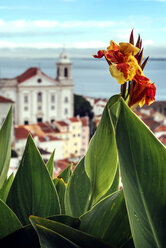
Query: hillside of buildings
(56, 118)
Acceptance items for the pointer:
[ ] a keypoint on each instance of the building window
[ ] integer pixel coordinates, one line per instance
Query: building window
(25, 99)
(66, 111)
(66, 99)
(39, 119)
(66, 72)
(39, 107)
(39, 97)
(26, 108)
(52, 98)
(26, 122)
(57, 72)
(39, 80)
(52, 107)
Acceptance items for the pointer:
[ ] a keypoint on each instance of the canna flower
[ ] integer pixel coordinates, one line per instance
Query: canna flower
(122, 63)
(142, 91)
(125, 66)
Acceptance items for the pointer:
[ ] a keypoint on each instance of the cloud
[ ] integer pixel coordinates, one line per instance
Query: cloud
(43, 45)
(38, 25)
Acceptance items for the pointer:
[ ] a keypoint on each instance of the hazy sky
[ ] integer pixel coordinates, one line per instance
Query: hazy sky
(46, 24)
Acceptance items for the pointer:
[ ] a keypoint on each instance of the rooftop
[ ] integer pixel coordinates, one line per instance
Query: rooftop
(5, 100)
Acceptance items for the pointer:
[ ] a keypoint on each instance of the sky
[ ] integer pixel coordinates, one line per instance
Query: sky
(39, 27)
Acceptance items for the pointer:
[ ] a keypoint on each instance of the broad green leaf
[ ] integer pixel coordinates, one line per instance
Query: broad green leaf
(143, 168)
(51, 239)
(33, 191)
(77, 197)
(78, 237)
(101, 157)
(115, 185)
(8, 220)
(50, 164)
(108, 220)
(5, 147)
(25, 237)
(66, 173)
(67, 220)
(61, 188)
(6, 187)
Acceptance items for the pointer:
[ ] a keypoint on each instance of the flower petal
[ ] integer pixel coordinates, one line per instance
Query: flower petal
(100, 54)
(128, 48)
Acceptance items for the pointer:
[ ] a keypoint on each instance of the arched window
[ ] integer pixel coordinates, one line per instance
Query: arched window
(66, 99)
(66, 72)
(66, 111)
(39, 97)
(57, 72)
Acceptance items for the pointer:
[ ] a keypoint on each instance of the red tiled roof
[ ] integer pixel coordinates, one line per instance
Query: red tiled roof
(62, 123)
(160, 129)
(27, 74)
(21, 133)
(48, 138)
(45, 128)
(85, 121)
(151, 123)
(31, 72)
(4, 99)
(162, 138)
(74, 119)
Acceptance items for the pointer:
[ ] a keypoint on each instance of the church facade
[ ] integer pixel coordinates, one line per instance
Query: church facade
(38, 97)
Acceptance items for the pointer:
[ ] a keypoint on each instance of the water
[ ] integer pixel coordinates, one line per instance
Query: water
(91, 76)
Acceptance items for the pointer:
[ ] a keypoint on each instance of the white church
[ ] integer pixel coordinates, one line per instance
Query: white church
(37, 97)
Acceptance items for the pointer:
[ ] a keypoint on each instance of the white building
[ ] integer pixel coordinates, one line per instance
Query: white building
(38, 97)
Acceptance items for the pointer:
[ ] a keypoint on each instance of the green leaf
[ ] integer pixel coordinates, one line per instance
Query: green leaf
(25, 237)
(51, 239)
(50, 164)
(77, 197)
(143, 168)
(65, 174)
(108, 220)
(115, 185)
(61, 188)
(6, 187)
(101, 157)
(8, 220)
(67, 220)
(76, 236)
(5, 147)
(33, 191)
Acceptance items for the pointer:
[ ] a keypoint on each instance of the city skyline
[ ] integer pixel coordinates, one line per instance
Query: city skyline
(82, 25)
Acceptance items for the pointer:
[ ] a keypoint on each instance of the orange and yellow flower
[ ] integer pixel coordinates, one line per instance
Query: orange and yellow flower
(124, 65)
(142, 91)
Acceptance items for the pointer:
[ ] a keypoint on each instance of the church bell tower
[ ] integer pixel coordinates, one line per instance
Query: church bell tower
(64, 68)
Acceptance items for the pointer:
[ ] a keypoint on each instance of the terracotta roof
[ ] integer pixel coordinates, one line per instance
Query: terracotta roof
(45, 128)
(74, 119)
(21, 133)
(151, 123)
(48, 138)
(27, 74)
(62, 123)
(31, 72)
(85, 121)
(4, 99)
(161, 128)
(162, 138)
